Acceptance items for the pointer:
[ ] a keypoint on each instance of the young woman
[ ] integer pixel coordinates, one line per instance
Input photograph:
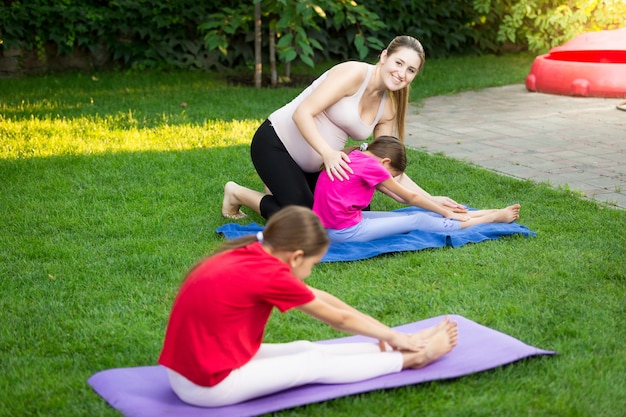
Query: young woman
(352, 99)
(340, 204)
(214, 351)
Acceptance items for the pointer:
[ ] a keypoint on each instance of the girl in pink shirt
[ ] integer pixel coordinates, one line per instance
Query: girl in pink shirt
(340, 204)
(214, 351)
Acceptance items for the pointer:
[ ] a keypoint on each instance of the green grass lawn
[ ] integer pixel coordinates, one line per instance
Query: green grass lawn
(110, 190)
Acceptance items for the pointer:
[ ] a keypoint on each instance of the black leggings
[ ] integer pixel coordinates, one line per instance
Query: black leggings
(280, 173)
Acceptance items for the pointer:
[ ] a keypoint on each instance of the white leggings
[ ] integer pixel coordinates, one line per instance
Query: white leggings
(378, 224)
(277, 367)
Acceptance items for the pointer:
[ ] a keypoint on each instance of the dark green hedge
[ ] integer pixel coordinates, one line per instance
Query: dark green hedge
(134, 32)
(443, 27)
(171, 33)
(165, 33)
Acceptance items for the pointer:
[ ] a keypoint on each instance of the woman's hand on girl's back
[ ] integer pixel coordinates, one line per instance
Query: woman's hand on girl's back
(336, 165)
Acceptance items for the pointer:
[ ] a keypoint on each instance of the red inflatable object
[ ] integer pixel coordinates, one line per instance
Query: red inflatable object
(590, 65)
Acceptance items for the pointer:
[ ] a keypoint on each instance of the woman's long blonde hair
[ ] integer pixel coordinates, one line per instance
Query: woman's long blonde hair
(400, 98)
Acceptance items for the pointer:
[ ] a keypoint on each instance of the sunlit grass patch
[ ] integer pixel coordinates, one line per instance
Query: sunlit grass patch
(37, 137)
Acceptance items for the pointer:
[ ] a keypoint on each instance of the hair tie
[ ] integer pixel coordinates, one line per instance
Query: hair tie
(363, 147)
(259, 237)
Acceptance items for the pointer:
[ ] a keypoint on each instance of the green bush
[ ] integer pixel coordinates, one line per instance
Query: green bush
(487, 26)
(140, 33)
(542, 24)
(302, 30)
(443, 27)
(194, 35)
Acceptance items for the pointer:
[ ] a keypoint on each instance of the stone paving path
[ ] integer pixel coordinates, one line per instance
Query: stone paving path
(577, 142)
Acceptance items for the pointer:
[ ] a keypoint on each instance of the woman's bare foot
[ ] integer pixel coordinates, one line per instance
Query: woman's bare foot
(230, 204)
(439, 344)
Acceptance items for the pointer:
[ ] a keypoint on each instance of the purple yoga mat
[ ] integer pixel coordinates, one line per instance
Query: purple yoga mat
(144, 391)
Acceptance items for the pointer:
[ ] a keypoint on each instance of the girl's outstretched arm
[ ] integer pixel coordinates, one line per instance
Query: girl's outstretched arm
(409, 184)
(339, 304)
(398, 192)
(341, 316)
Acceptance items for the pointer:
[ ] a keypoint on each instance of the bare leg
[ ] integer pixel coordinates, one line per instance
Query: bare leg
(439, 344)
(480, 213)
(506, 215)
(236, 196)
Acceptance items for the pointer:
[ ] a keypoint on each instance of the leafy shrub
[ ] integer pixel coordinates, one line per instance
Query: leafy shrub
(140, 33)
(487, 26)
(542, 24)
(192, 34)
(443, 27)
(330, 28)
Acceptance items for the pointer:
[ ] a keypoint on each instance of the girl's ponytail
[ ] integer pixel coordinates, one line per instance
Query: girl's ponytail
(289, 229)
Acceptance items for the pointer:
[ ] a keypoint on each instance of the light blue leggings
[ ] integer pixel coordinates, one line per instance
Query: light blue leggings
(378, 224)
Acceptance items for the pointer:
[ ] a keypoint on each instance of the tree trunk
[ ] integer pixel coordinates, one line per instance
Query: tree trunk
(258, 68)
(272, 42)
(288, 68)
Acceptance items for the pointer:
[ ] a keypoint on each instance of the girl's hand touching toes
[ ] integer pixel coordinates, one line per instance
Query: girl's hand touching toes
(424, 335)
(439, 343)
(405, 342)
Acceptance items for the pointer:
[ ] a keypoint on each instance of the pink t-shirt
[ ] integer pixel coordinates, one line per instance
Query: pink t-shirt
(339, 203)
(219, 315)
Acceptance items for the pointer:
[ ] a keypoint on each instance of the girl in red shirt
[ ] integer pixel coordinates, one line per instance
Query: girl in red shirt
(214, 351)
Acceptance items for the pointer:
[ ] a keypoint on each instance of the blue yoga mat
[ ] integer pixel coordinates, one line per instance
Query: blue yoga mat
(413, 241)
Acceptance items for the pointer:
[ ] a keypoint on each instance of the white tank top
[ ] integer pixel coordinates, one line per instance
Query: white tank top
(336, 124)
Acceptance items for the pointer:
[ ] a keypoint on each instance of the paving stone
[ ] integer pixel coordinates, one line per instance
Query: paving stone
(573, 142)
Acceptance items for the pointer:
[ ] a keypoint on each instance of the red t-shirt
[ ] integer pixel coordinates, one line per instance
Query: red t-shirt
(219, 315)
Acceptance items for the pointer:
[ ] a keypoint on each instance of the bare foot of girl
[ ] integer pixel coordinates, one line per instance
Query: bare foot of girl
(439, 344)
(423, 335)
(230, 204)
(508, 214)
